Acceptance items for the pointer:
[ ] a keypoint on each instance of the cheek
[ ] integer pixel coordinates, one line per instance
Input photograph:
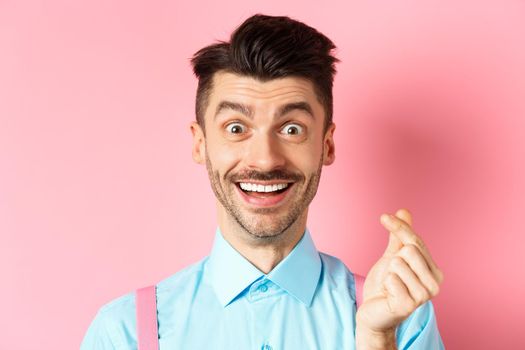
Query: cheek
(309, 164)
(306, 158)
(223, 156)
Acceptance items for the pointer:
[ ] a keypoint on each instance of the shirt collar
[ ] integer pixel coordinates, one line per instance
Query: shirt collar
(231, 273)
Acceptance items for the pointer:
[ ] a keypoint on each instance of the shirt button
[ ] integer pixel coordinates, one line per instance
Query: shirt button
(263, 288)
(266, 347)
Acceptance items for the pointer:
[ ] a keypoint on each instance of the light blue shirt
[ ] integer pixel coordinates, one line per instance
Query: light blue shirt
(224, 302)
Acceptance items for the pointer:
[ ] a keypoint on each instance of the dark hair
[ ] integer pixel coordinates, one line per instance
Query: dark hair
(269, 47)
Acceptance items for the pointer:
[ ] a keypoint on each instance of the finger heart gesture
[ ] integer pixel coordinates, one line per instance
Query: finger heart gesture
(404, 278)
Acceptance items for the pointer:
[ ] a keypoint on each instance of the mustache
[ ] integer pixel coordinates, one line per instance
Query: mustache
(277, 174)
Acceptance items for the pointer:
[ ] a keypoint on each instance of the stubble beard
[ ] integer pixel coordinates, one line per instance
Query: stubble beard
(267, 230)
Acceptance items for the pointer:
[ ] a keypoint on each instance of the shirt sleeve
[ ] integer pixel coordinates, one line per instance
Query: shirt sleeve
(419, 331)
(97, 336)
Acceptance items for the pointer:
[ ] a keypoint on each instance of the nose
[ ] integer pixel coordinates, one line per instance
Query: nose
(264, 153)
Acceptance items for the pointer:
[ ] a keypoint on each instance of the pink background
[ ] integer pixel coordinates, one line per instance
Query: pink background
(99, 194)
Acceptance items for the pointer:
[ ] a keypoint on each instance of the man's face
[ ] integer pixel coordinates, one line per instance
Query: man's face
(264, 149)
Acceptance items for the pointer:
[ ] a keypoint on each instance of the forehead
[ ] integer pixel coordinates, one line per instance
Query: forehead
(231, 86)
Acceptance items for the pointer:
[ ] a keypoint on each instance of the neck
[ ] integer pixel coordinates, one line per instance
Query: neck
(263, 252)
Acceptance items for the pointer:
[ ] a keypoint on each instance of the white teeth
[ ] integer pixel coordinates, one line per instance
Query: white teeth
(261, 188)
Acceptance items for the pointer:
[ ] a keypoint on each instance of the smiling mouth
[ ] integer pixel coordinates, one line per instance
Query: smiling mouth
(264, 190)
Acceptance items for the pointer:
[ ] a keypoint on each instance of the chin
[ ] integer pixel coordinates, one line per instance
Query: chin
(266, 228)
(266, 234)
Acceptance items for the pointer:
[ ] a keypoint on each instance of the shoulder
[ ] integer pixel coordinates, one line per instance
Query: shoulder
(334, 266)
(188, 276)
(115, 321)
(175, 291)
(183, 279)
(335, 272)
(109, 328)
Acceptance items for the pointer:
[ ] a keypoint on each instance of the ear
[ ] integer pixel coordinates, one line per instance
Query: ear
(329, 146)
(199, 143)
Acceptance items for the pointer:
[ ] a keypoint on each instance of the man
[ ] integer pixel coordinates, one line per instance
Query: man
(264, 131)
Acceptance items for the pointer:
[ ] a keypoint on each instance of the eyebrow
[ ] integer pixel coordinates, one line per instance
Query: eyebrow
(248, 111)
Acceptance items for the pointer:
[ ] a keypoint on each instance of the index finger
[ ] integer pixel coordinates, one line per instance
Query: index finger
(407, 236)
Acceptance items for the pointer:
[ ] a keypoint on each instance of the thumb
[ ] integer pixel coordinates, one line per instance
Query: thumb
(394, 243)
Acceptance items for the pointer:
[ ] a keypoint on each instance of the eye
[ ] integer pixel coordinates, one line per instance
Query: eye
(292, 129)
(235, 128)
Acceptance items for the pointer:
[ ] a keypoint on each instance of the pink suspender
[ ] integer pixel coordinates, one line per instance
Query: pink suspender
(146, 300)
(359, 282)
(147, 333)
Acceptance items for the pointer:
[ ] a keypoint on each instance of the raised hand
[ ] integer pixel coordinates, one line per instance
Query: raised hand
(404, 278)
